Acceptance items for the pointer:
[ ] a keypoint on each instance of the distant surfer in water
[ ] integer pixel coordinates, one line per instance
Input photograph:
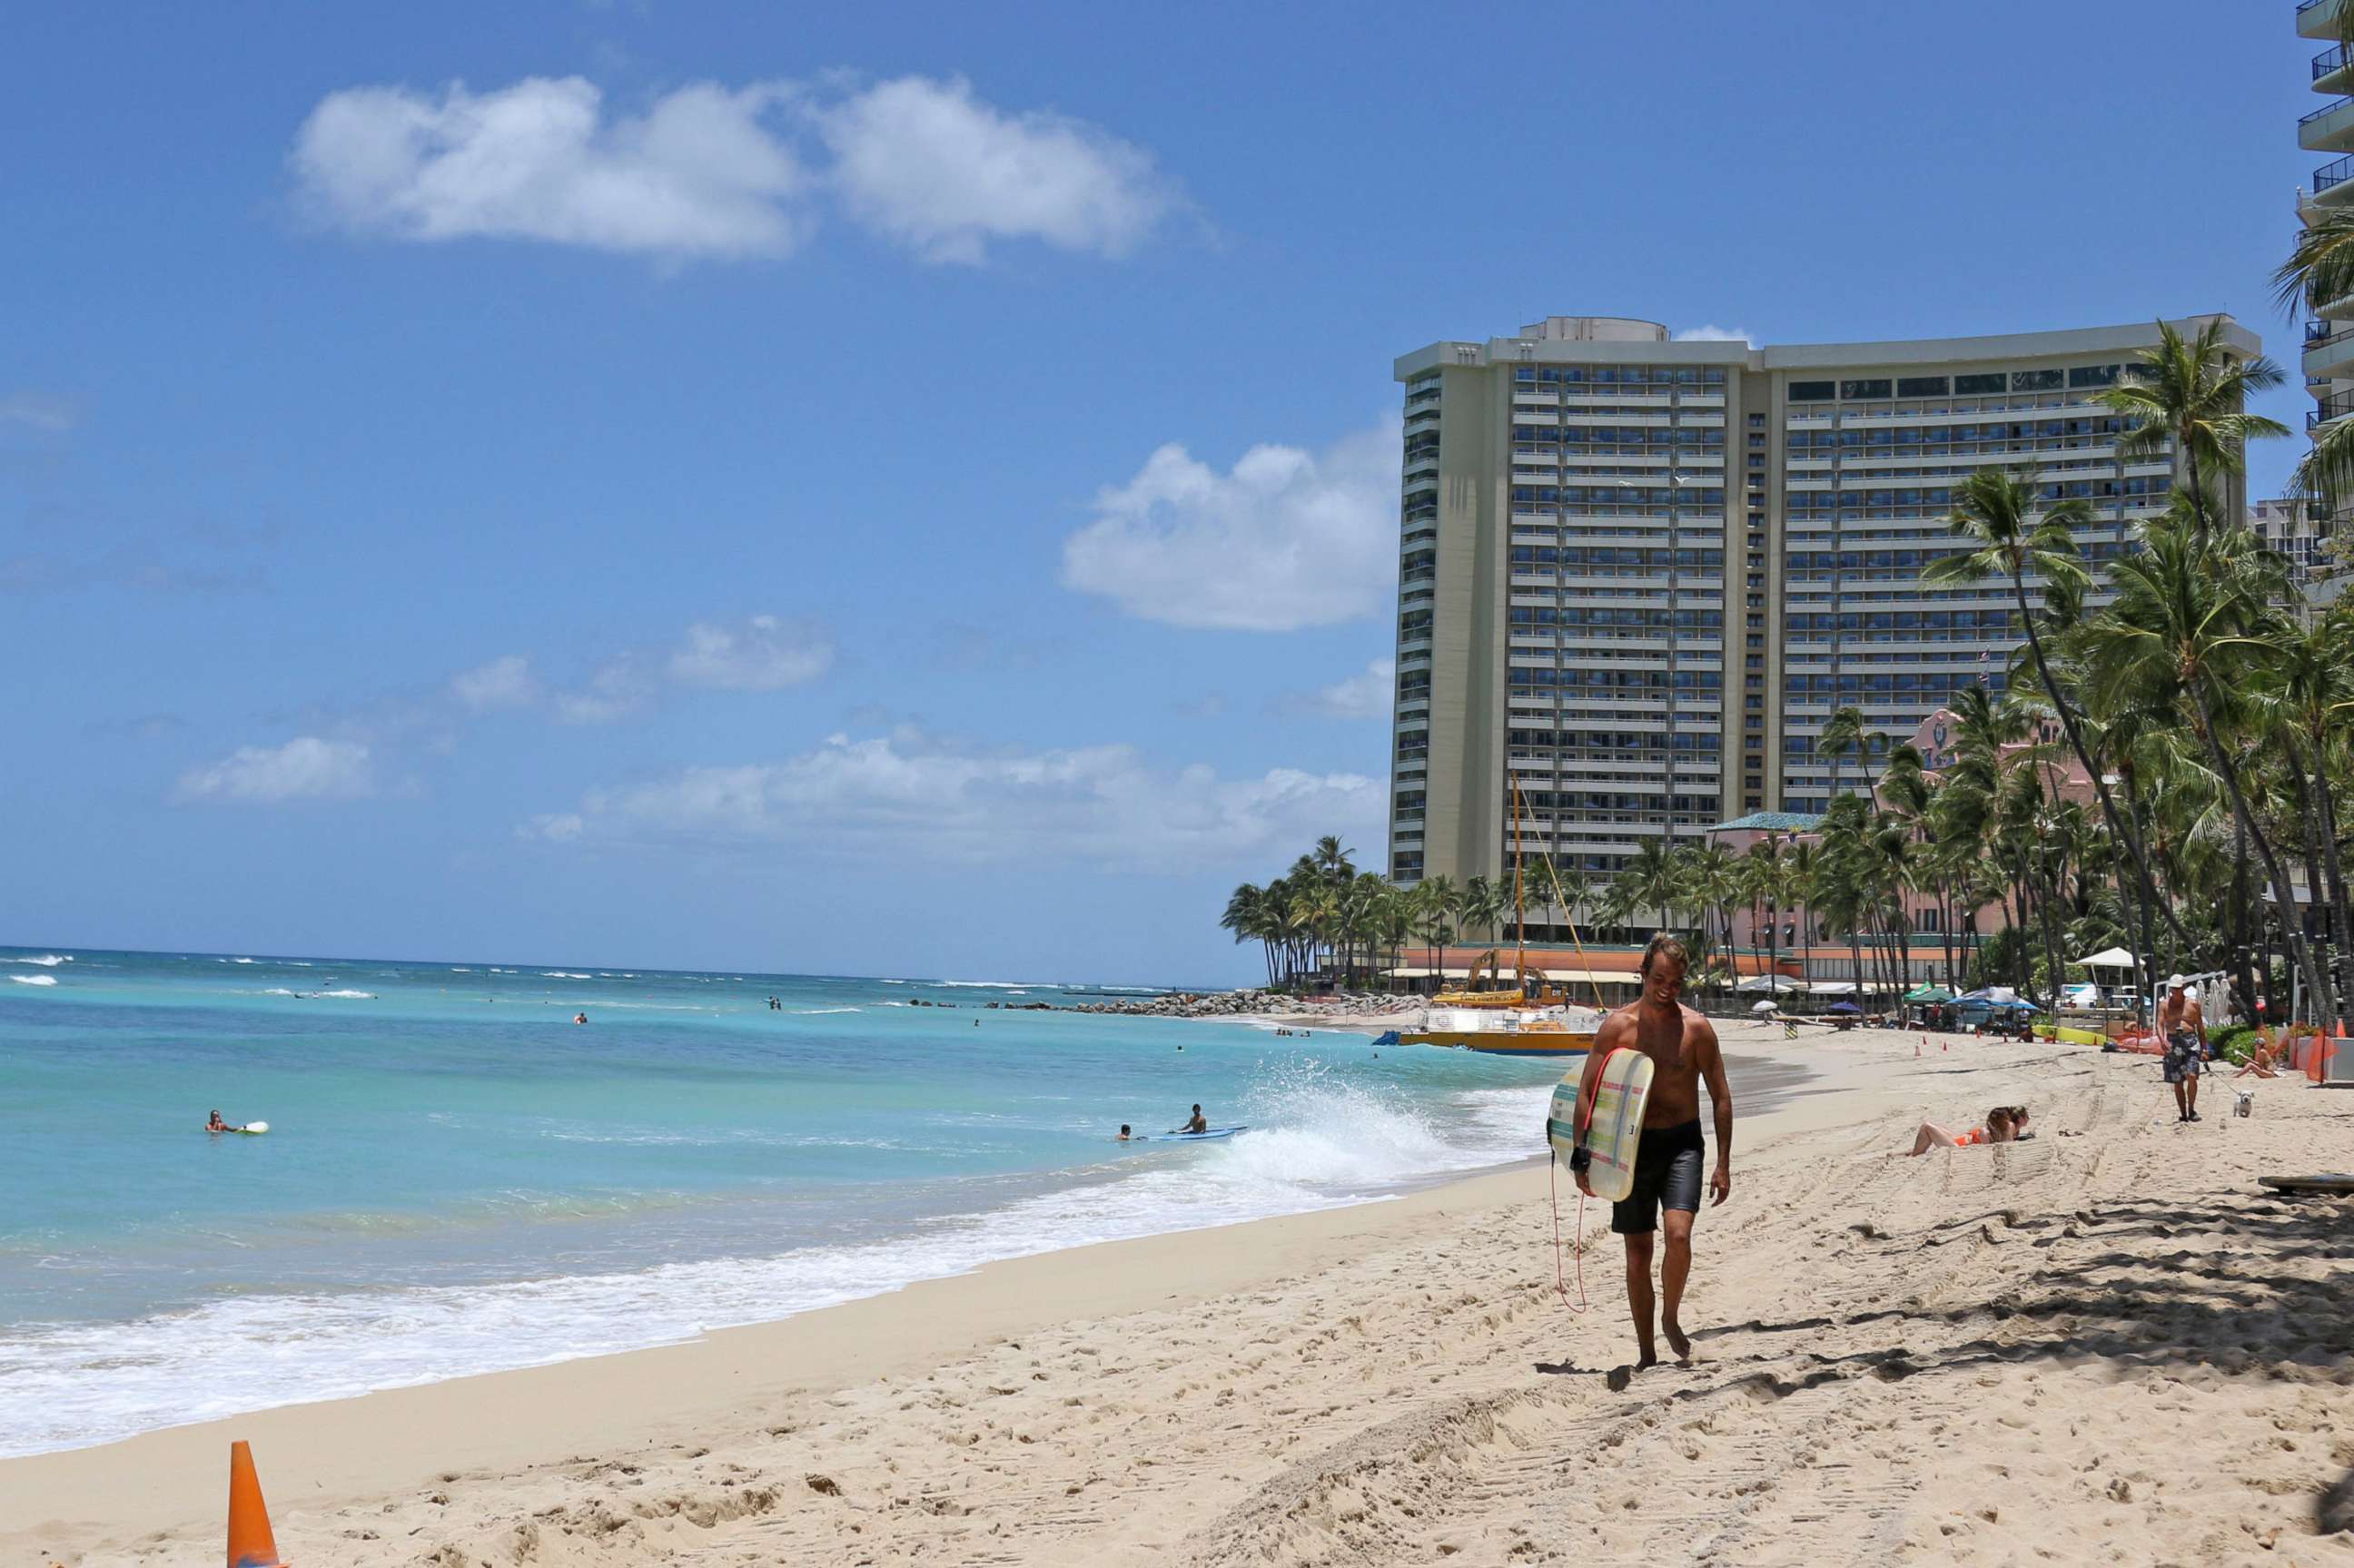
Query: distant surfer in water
(1124, 1134)
(216, 1124)
(580, 1018)
(1199, 1124)
(1683, 1050)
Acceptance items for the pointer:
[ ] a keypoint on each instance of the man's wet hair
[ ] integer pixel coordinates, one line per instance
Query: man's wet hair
(1669, 944)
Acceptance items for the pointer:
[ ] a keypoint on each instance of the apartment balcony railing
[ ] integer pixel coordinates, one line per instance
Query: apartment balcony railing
(2333, 174)
(2331, 408)
(2323, 112)
(2330, 62)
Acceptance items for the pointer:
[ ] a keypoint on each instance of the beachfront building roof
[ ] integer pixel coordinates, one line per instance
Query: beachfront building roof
(1770, 822)
(1637, 575)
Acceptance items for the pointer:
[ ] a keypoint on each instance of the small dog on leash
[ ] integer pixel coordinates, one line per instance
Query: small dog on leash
(2243, 1102)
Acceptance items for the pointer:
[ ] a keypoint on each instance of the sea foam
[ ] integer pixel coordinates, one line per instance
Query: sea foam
(1320, 1137)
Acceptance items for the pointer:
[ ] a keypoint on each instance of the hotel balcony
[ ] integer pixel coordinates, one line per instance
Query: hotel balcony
(2317, 19)
(2330, 182)
(2329, 128)
(2330, 355)
(2329, 70)
(2331, 411)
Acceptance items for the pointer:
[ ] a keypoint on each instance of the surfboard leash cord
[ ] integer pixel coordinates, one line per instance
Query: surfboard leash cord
(1553, 1187)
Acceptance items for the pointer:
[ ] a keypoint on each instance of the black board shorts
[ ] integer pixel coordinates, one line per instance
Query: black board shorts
(1666, 1176)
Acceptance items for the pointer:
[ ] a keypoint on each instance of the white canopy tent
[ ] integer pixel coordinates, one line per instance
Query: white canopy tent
(2110, 959)
(1777, 984)
(1832, 988)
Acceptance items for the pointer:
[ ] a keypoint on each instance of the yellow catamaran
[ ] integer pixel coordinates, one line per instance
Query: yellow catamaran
(1525, 1020)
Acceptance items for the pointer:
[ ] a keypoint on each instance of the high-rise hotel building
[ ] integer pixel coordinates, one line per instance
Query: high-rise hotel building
(1637, 575)
(2329, 358)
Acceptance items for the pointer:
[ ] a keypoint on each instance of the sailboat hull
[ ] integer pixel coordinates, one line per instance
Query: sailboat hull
(1561, 1043)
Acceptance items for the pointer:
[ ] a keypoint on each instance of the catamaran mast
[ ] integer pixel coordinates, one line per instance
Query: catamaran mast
(1520, 909)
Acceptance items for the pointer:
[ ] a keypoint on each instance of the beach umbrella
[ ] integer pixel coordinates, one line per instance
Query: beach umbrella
(1763, 1007)
(1842, 1007)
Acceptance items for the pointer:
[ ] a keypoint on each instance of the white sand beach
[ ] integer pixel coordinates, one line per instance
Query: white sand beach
(2106, 1345)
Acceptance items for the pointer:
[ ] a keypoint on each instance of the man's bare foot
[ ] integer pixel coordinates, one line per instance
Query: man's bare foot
(1649, 1358)
(1677, 1342)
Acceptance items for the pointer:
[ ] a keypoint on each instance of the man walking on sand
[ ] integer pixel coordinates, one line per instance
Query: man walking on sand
(2183, 1026)
(1682, 1047)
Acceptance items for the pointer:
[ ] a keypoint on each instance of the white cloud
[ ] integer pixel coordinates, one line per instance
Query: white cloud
(710, 170)
(40, 411)
(763, 655)
(505, 682)
(1713, 334)
(910, 794)
(1361, 697)
(926, 163)
(618, 689)
(556, 827)
(1287, 538)
(697, 174)
(304, 769)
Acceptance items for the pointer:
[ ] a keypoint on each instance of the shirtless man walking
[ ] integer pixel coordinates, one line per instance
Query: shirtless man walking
(2182, 1024)
(1682, 1047)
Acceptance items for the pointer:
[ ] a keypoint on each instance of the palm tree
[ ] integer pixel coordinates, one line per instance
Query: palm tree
(1331, 861)
(1765, 874)
(1245, 917)
(2193, 615)
(1439, 900)
(2315, 687)
(1998, 510)
(1712, 879)
(2192, 393)
(1842, 735)
(1651, 873)
(2320, 271)
(1483, 906)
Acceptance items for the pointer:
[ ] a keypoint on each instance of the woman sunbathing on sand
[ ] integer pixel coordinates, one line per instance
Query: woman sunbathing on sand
(2004, 1124)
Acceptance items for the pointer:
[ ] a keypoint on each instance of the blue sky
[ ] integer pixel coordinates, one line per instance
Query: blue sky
(904, 490)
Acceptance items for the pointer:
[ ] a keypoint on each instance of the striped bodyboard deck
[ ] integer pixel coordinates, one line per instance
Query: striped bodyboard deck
(1616, 1131)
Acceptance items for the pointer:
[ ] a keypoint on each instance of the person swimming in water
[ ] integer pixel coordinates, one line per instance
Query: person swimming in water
(1124, 1134)
(1200, 1123)
(216, 1124)
(580, 1018)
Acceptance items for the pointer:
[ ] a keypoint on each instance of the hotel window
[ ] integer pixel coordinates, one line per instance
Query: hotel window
(1969, 386)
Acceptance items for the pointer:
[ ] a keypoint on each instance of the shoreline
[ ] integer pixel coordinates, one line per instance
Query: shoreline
(1355, 1383)
(641, 1395)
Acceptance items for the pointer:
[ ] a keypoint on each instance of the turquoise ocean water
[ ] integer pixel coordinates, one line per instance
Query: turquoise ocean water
(459, 1179)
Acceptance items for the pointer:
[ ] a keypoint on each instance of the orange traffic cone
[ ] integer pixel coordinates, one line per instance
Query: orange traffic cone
(250, 1544)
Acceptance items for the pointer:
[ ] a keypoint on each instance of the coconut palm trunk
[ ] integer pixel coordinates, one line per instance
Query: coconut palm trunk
(2339, 908)
(2285, 896)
